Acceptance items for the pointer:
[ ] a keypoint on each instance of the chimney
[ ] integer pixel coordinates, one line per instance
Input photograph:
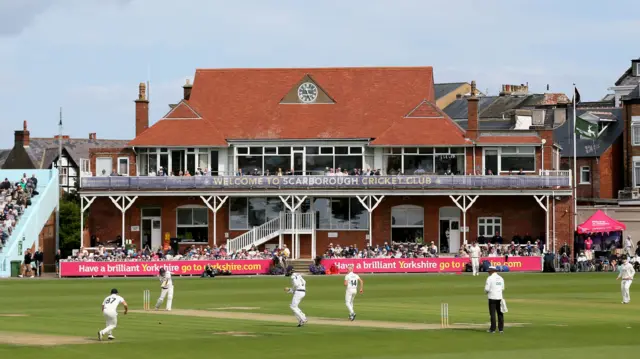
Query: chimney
(187, 90)
(92, 136)
(472, 113)
(142, 110)
(21, 138)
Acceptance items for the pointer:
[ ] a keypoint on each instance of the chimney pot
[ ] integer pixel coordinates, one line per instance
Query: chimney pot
(187, 90)
(473, 87)
(142, 110)
(472, 113)
(24, 125)
(142, 92)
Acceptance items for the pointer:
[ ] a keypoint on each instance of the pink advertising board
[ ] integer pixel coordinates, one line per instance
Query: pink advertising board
(429, 265)
(140, 269)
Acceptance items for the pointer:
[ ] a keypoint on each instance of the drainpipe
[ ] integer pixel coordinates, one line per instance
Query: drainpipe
(474, 159)
(543, 142)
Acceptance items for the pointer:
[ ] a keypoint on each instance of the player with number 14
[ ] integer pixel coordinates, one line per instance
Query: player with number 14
(351, 282)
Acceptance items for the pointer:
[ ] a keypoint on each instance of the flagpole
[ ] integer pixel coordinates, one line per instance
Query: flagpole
(575, 164)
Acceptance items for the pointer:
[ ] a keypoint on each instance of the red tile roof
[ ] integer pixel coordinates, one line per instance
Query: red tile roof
(422, 131)
(182, 111)
(508, 140)
(245, 104)
(425, 109)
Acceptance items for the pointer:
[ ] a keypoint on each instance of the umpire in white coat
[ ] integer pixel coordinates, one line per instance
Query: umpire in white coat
(494, 288)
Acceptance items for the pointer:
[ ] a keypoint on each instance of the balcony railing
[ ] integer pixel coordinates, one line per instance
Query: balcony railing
(322, 182)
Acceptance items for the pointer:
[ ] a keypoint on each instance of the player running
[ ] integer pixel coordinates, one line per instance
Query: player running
(351, 282)
(299, 290)
(166, 286)
(110, 312)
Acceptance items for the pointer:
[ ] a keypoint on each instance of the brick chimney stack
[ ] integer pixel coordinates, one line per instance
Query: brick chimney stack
(187, 90)
(92, 136)
(142, 110)
(21, 138)
(472, 113)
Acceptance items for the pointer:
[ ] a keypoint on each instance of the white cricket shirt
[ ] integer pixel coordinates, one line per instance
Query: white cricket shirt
(298, 283)
(494, 287)
(627, 272)
(166, 282)
(474, 252)
(111, 302)
(352, 281)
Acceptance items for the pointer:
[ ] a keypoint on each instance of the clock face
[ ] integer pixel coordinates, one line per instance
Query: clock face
(307, 92)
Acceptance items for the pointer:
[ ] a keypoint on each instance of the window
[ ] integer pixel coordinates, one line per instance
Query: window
(407, 223)
(516, 158)
(123, 166)
(424, 160)
(585, 175)
(319, 160)
(636, 172)
(192, 224)
(263, 160)
(635, 130)
(246, 213)
(488, 226)
(340, 213)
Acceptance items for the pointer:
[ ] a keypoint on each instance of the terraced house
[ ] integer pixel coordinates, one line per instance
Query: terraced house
(309, 157)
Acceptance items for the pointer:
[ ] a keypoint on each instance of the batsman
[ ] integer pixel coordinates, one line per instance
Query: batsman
(166, 286)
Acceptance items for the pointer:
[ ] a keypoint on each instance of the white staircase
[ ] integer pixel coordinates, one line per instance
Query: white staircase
(304, 224)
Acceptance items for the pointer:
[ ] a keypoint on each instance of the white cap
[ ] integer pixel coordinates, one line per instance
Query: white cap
(492, 268)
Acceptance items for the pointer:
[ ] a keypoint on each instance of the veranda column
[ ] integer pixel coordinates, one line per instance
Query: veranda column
(543, 201)
(83, 208)
(464, 207)
(370, 203)
(218, 202)
(292, 203)
(123, 203)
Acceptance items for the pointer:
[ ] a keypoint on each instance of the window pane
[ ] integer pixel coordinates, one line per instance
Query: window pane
(164, 161)
(143, 164)
(257, 211)
(200, 216)
(636, 174)
(442, 149)
(238, 213)
(255, 150)
(153, 162)
(527, 149)
(326, 150)
(515, 163)
(250, 165)
(203, 161)
(193, 234)
(457, 149)
(340, 213)
(411, 150)
(123, 166)
(359, 215)
(415, 217)
(270, 150)
(635, 134)
(421, 163)
(273, 208)
(284, 150)
(509, 150)
(481, 231)
(242, 150)
(349, 163)
(449, 164)
(191, 163)
(312, 150)
(342, 150)
(398, 217)
(185, 216)
(319, 164)
(273, 163)
(355, 150)
(322, 207)
(394, 164)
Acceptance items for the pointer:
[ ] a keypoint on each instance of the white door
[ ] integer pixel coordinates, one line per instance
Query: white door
(104, 166)
(156, 233)
(454, 235)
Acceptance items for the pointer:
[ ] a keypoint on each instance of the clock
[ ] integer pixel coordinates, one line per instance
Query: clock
(308, 92)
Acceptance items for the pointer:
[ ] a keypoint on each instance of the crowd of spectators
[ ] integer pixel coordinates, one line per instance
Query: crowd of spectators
(15, 197)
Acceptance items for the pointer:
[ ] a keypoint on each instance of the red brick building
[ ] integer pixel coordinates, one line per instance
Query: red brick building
(271, 141)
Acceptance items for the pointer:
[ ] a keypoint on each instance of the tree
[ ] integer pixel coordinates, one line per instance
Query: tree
(69, 226)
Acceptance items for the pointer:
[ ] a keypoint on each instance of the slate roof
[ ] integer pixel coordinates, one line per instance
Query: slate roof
(43, 151)
(3, 156)
(633, 95)
(445, 88)
(244, 104)
(501, 105)
(627, 78)
(457, 110)
(509, 140)
(563, 135)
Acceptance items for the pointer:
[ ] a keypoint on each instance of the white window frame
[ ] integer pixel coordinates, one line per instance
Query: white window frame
(192, 207)
(493, 225)
(517, 154)
(118, 166)
(635, 126)
(636, 177)
(583, 170)
(432, 151)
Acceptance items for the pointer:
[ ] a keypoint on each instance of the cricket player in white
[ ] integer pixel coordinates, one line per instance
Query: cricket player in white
(299, 290)
(474, 253)
(626, 274)
(110, 312)
(166, 289)
(351, 282)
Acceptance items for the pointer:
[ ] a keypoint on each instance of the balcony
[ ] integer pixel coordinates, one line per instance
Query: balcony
(548, 180)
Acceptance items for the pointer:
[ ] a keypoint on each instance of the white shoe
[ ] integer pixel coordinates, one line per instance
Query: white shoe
(111, 337)
(20, 276)
(100, 336)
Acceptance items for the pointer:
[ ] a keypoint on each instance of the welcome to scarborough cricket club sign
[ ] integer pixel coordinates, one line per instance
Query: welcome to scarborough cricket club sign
(369, 265)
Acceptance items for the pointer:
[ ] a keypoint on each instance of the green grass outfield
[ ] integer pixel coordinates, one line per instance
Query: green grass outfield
(565, 315)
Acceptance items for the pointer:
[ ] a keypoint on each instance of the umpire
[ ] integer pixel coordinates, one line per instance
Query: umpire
(493, 288)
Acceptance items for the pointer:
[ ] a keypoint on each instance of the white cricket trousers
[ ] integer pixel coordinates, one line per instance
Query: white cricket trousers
(111, 319)
(349, 297)
(297, 298)
(624, 288)
(475, 265)
(165, 293)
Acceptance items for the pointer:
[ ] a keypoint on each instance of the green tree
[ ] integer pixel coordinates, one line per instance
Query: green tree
(69, 226)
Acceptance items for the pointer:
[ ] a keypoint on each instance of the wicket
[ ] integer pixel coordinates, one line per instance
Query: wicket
(444, 315)
(146, 299)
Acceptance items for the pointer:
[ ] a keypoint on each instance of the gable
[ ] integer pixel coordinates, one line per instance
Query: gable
(425, 110)
(293, 97)
(182, 111)
(17, 159)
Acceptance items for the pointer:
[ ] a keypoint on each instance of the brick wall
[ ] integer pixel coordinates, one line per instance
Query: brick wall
(114, 153)
(630, 109)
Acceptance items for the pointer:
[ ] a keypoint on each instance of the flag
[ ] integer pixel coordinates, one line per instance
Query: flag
(586, 129)
(576, 95)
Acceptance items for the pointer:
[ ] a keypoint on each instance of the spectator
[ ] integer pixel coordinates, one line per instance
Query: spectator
(26, 264)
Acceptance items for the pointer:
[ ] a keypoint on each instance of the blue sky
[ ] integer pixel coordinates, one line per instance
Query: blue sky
(88, 56)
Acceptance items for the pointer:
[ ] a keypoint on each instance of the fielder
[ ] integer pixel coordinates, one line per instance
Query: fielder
(110, 312)
(351, 282)
(166, 285)
(299, 290)
(626, 274)
(474, 253)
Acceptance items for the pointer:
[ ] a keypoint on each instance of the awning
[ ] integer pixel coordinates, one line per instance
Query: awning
(600, 222)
